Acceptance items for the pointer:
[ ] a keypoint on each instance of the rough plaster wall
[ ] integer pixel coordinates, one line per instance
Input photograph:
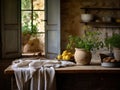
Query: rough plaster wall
(70, 17)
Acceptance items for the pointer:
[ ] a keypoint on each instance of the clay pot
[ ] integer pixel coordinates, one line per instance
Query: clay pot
(82, 57)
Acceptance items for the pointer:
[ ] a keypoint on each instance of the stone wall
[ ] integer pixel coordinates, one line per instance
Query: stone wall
(70, 17)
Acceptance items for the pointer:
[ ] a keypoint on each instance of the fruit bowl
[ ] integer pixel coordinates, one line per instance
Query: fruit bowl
(109, 61)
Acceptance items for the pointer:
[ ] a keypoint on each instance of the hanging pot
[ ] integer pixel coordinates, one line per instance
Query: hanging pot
(82, 57)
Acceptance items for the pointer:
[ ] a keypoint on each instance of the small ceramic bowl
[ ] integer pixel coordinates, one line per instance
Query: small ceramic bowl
(86, 17)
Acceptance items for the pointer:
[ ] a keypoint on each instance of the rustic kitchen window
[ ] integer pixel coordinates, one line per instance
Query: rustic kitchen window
(33, 26)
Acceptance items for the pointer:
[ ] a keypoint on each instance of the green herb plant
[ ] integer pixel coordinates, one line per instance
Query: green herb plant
(89, 41)
(113, 41)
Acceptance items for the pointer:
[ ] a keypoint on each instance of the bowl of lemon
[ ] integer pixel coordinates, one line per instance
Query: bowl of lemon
(66, 55)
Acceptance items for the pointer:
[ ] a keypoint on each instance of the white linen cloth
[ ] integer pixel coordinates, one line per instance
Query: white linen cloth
(37, 74)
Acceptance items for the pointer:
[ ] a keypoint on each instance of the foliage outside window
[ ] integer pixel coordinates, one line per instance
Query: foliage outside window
(31, 16)
(33, 29)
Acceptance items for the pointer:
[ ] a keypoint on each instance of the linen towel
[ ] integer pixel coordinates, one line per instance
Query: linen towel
(43, 79)
(38, 74)
(22, 77)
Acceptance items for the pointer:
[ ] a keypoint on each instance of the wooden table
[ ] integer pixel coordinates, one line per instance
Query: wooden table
(94, 67)
(92, 77)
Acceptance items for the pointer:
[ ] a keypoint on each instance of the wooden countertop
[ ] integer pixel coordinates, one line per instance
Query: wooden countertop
(94, 67)
(87, 69)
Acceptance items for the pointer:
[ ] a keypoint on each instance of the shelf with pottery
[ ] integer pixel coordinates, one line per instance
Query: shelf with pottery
(104, 22)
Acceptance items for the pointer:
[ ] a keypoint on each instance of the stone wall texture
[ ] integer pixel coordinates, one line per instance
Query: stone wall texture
(71, 12)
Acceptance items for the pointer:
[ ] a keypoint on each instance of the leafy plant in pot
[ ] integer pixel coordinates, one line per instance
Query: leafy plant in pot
(113, 43)
(84, 45)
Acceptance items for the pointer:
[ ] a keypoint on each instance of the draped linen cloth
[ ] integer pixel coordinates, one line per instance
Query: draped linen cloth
(37, 74)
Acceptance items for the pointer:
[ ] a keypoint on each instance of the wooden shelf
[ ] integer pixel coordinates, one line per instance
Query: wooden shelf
(104, 24)
(106, 8)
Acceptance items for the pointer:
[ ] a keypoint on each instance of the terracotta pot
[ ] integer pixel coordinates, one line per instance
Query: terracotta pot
(82, 57)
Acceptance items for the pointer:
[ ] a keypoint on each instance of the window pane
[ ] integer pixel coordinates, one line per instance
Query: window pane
(38, 4)
(26, 21)
(38, 17)
(25, 4)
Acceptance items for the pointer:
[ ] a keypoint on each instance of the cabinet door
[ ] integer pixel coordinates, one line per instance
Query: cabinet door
(52, 28)
(10, 28)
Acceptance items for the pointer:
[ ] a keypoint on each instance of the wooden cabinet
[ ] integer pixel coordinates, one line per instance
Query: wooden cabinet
(109, 21)
(87, 81)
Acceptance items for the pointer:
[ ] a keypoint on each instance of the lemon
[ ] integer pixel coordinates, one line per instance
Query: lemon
(64, 53)
(69, 53)
(67, 57)
(59, 57)
(64, 57)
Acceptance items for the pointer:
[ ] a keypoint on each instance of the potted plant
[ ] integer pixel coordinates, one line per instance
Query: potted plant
(84, 45)
(113, 43)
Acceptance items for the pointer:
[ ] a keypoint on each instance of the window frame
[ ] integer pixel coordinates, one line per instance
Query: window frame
(32, 11)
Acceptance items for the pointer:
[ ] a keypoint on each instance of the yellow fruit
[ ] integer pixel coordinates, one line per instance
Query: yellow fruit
(64, 52)
(67, 57)
(63, 57)
(70, 54)
(59, 57)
